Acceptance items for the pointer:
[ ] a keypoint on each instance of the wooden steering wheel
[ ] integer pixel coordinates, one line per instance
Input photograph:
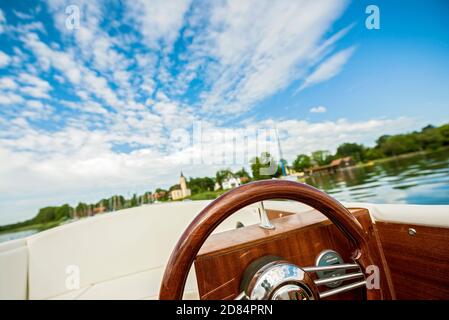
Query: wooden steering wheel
(365, 253)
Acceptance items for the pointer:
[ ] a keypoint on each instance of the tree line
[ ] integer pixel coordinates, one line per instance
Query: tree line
(428, 138)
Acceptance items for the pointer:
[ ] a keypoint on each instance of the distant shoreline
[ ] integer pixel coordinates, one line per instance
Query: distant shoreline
(213, 194)
(401, 156)
(382, 160)
(37, 226)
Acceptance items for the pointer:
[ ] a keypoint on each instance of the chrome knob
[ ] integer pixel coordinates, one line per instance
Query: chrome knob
(291, 292)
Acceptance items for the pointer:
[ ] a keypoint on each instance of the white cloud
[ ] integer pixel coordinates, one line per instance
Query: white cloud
(33, 80)
(61, 61)
(87, 106)
(2, 21)
(7, 83)
(329, 134)
(22, 15)
(4, 59)
(34, 86)
(35, 104)
(33, 26)
(319, 109)
(35, 109)
(9, 98)
(65, 63)
(35, 92)
(100, 87)
(159, 21)
(328, 69)
(101, 51)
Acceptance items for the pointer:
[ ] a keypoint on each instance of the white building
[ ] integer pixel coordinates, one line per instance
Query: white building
(231, 182)
(181, 193)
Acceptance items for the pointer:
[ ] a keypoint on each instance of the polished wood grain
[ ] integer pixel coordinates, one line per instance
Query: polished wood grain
(374, 242)
(249, 236)
(274, 214)
(208, 219)
(298, 238)
(419, 264)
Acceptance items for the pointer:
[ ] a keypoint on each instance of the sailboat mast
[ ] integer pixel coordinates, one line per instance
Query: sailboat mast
(280, 154)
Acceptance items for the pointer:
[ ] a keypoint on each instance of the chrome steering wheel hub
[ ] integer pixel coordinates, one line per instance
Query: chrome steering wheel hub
(272, 278)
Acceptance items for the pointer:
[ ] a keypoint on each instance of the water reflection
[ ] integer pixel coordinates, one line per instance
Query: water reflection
(421, 179)
(16, 235)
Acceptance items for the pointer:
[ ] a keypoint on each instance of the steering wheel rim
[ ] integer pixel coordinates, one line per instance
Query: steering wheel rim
(189, 244)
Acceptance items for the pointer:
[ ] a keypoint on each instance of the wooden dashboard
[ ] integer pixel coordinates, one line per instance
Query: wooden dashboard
(416, 265)
(298, 238)
(418, 261)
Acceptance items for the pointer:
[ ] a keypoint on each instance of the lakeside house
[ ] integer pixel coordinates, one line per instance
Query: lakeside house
(343, 162)
(334, 166)
(99, 209)
(156, 196)
(230, 182)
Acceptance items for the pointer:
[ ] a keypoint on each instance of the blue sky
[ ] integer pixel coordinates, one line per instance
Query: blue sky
(104, 108)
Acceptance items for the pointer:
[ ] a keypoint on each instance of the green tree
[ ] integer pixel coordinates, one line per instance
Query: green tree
(321, 157)
(354, 150)
(146, 197)
(399, 144)
(63, 212)
(372, 154)
(430, 138)
(199, 185)
(134, 201)
(444, 131)
(81, 210)
(263, 166)
(242, 173)
(45, 215)
(164, 192)
(382, 139)
(174, 187)
(302, 162)
(106, 203)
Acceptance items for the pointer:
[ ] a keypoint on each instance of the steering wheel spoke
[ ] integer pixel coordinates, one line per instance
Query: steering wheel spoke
(342, 289)
(357, 275)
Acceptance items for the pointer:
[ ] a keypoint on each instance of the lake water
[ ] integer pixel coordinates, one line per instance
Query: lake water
(16, 235)
(421, 179)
